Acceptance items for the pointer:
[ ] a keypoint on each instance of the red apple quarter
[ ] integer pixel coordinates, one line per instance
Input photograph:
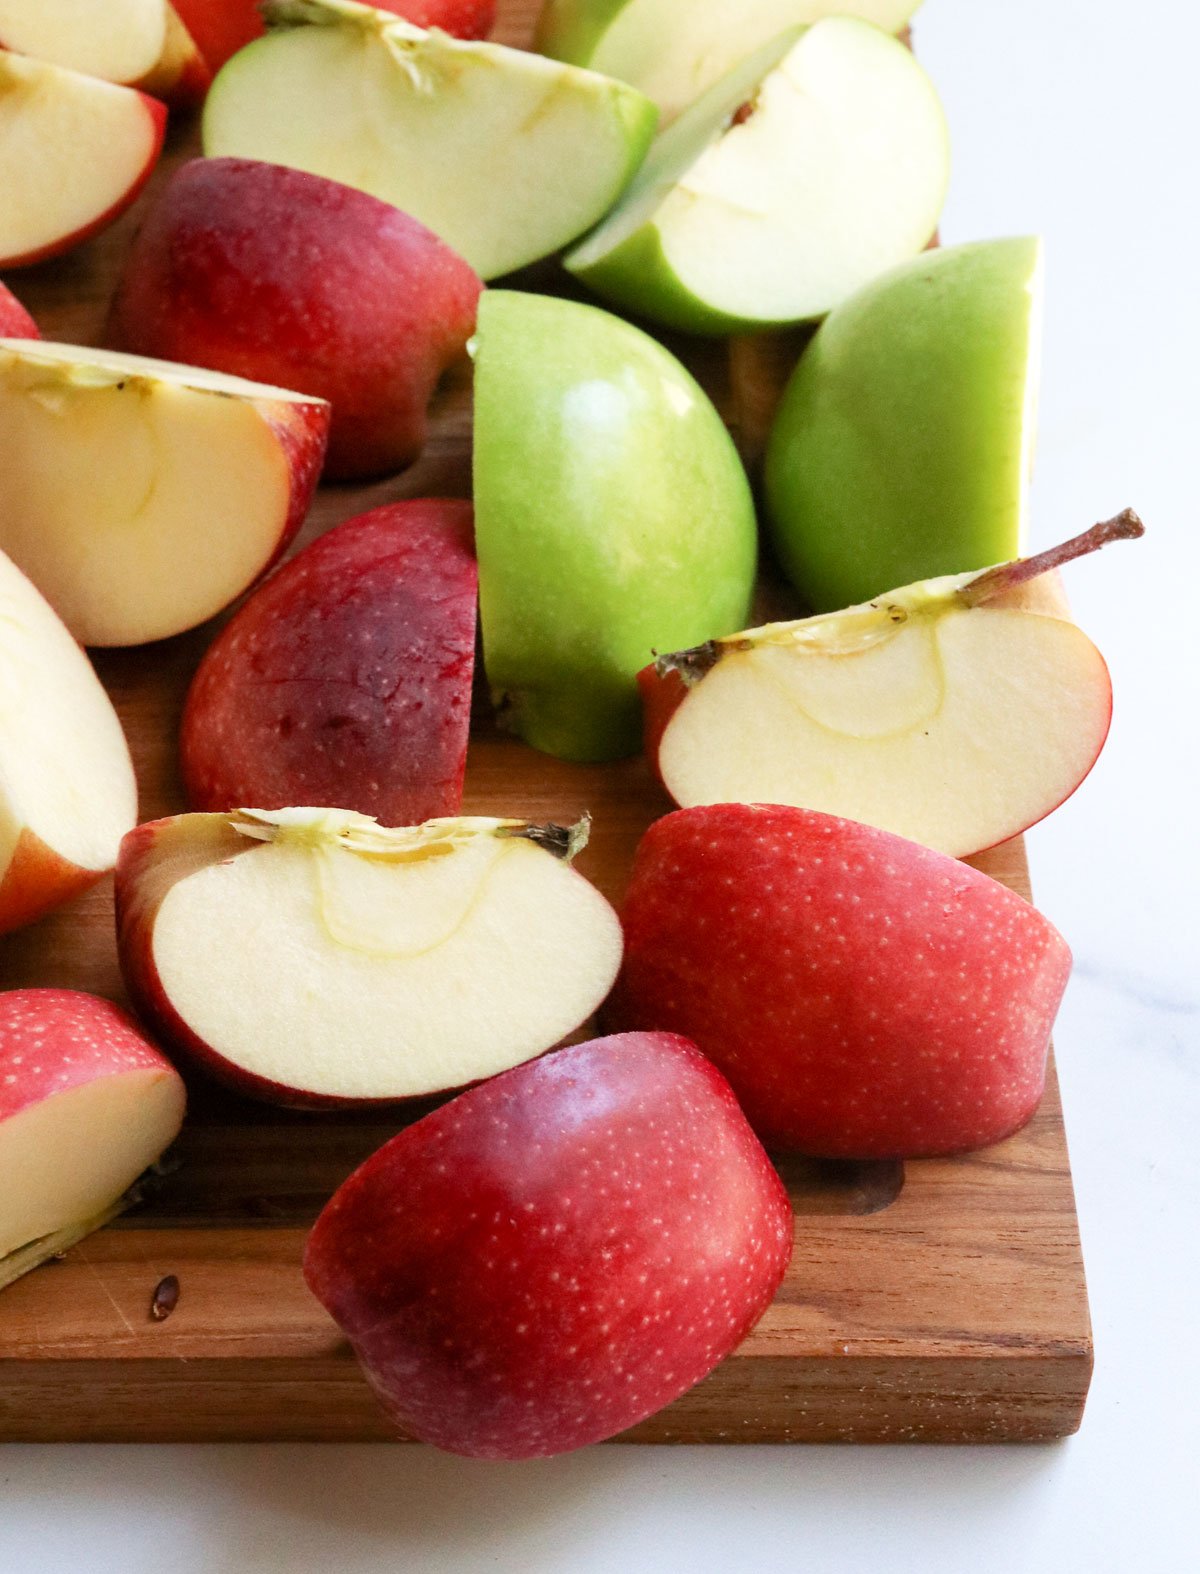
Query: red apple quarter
(285, 278)
(557, 1253)
(867, 997)
(345, 681)
(15, 321)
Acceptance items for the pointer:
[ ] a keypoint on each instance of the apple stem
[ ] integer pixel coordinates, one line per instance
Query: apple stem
(564, 841)
(696, 663)
(993, 582)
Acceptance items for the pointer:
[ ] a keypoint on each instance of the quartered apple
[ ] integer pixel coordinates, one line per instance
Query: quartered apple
(506, 155)
(312, 958)
(67, 789)
(51, 197)
(120, 40)
(817, 163)
(141, 497)
(674, 50)
(956, 712)
(87, 1103)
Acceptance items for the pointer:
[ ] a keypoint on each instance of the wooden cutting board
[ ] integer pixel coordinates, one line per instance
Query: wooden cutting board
(936, 1301)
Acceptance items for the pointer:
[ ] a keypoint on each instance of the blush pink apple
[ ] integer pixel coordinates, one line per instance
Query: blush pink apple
(15, 321)
(286, 278)
(86, 1104)
(345, 680)
(558, 1253)
(866, 996)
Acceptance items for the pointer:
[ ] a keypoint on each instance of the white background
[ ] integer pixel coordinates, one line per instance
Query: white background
(1079, 120)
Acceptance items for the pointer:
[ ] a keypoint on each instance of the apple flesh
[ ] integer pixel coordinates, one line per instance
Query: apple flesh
(87, 1103)
(903, 445)
(400, 962)
(15, 321)
(53, 198)
(505, 155)
(816, 164)
(181, 75)
(612, 512)
(284, 278)
(675, 50)
(67, 789)
(120, 41)
(866, 996)
(554, 1256)
(142, 497)
(956, 712)
(345, 681)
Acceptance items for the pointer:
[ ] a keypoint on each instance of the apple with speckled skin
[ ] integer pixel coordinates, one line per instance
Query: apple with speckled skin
(244, 267)
(558, 1253)
(345, 681)
(86, 1104)
(15, 321)
(866, 996)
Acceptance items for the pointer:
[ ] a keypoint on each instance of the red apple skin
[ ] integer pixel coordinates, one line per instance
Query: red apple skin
(345, 680)
(38, 880)
(219, 28)
(290, 279)
(157, 113)
(661, 698)
(557, 1253)
(866, 996)
(52, 1040)
(463, 18)
(15, 321)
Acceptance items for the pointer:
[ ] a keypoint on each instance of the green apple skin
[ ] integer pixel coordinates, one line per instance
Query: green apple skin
(613, 518)
(902, 446)
(646, 42)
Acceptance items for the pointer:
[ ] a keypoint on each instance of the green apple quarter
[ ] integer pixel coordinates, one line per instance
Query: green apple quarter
(903, 444)
(674, 50)
(613, 518)
(506, 155)
(816, 164)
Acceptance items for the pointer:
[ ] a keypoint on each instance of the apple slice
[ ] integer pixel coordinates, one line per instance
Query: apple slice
(903, 443)
(674, 50)
(15, 321)
(956, 712)
(346, 679)
(506, 155)
(180, 75)
(817, 163)
(119, 40)
(67, 790)
(552, 1257)
(86, 1104)
(283, 277)
(611, 509)
(400, 962)
(866, 997)
(142, 497)
(54, 199)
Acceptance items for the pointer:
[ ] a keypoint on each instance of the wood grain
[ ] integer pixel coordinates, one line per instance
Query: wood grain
(939, 1301)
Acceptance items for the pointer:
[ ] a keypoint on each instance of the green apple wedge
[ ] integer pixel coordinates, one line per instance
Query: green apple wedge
(506, 155)
(674, 50)
(612, 515)
(813, 166)
(903, 445)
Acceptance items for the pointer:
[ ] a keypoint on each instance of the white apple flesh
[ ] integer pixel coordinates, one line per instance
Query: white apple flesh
(506, 155)
(54, 196)
(140, 496)
(87, 1104)
(67, 789)
(400, 962)
(119, 40)
(955, 712)
(815, 165)
(674, 50)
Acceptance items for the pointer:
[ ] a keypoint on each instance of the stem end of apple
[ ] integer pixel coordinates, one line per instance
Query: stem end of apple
(993, 582)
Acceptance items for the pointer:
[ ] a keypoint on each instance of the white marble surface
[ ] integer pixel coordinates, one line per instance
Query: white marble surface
(1078, 120)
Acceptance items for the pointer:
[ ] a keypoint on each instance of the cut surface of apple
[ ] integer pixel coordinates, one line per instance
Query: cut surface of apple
(67, 790)
(141, 497)
(952, 721)
(52, 197)
(400, 962)
(674, 50)
(181, 75)
(816, 164)
(119, 40)
(86, 1105)
(506, 155)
